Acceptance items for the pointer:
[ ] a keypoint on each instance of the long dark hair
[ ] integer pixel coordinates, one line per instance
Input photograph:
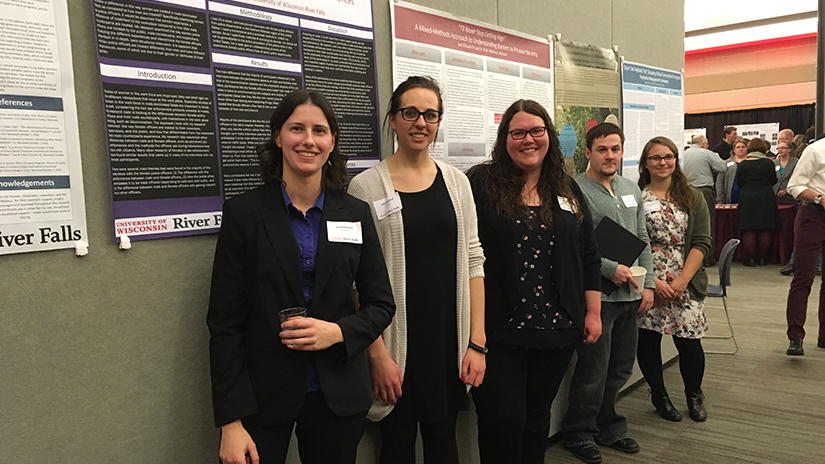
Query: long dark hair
(505, 181)
(680, 190)
(271, 157)
(412, 82)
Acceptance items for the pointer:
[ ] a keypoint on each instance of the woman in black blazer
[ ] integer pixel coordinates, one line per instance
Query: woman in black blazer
(542, 283)
(297, 241)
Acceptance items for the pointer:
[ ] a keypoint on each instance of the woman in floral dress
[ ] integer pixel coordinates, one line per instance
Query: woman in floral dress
(678, 224)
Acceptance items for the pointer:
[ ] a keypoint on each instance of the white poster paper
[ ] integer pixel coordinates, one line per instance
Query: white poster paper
(41, 185)
(481, 68)
(653, 105)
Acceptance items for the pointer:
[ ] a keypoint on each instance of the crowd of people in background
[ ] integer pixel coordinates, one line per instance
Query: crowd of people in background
(393, 297)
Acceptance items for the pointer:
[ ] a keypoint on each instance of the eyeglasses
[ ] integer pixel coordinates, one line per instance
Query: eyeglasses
(783, 148)
(536, 132)
(658, 159)
(411, 114)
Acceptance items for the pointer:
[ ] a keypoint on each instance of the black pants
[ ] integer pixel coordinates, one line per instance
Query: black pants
(691, 360)
(398, 438)
(513, 403)
(323, 437)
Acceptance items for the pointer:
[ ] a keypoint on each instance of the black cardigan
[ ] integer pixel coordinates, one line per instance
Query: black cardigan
(575, 257)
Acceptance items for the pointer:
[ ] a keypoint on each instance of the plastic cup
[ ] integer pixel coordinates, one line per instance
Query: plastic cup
(639, 277)
(288, 313)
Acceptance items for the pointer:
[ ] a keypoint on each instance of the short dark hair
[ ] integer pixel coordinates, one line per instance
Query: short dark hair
(757, 144)
(728, 130)
(603, 130)
(413, 82)
(271, 156)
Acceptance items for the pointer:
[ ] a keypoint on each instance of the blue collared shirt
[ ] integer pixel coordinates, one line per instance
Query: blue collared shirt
(307, 229)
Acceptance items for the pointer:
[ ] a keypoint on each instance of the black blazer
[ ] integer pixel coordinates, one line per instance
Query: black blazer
(576, 260)
(257, 272)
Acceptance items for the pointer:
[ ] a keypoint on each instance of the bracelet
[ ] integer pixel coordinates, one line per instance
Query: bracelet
(480, 349)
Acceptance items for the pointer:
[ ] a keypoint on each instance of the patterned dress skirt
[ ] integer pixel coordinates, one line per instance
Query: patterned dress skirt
(682, 317)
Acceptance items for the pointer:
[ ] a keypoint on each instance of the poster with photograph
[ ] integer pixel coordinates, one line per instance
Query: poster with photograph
(587, 94)
(653, 105)
(189, 86)
(41, 185)
(767, 131)
(481, 69)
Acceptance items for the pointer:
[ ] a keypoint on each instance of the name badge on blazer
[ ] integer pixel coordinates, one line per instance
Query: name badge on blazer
(386, 206)
(344, 232)
(731, 163)
(777, 167)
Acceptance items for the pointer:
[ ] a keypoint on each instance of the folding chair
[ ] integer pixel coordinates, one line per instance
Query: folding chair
(720, 291)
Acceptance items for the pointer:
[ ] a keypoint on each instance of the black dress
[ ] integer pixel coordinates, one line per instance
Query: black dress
(757, 202)
(432, 388)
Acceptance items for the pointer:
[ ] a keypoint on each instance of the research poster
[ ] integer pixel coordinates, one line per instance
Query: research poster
(189, 86)
(767, 131)
(41, 185)
(481, 69)
(653, 104)
(587, 94)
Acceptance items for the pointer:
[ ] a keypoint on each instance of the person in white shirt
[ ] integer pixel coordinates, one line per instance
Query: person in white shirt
(808, 185)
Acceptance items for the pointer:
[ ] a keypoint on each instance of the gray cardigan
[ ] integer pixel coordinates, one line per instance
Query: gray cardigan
(784, 178)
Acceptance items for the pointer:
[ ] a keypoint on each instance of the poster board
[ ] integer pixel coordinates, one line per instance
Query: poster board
(587, 94)
(767, 131)
(41, 184)
(689, 133)
(189, 86)
(481, 69)
(653, 104)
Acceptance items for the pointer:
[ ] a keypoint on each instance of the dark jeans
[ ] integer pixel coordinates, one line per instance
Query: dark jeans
(691, 360)
(323, 437)
(513, 403)
(808, 244)
(601, 371)
(398, 441)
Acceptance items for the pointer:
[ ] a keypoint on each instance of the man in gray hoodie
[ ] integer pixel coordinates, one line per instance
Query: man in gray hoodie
(604, 367)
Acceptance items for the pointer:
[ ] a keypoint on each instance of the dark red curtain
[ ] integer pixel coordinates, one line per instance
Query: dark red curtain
(798, 118)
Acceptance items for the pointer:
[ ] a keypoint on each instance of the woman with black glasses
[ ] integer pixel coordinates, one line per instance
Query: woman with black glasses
(434, 350)
(542, 283)
(678, 224)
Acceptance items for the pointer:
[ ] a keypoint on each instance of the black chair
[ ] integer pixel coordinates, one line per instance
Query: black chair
(720, 291)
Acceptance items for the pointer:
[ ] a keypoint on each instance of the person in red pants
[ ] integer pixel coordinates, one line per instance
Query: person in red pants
(808, 185)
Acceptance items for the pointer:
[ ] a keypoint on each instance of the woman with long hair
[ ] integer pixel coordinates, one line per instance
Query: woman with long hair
(542, 283)
(678, 224)
(297, 243)
(434, 350)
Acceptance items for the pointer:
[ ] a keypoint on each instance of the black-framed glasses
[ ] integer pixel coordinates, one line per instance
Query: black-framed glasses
(658, 159)
(411, 114)
(536, 132)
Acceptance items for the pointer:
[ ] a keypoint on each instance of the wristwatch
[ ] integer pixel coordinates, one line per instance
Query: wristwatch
(818, 199)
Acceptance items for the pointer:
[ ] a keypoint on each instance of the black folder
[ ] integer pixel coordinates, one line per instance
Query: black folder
(617, 244)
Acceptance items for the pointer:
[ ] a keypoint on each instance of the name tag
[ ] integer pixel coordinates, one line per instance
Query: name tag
(629, 201)
(652, 207)
(777, 167)
(345, 232)
(564, 204)
(731, 163)
(387, 206)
